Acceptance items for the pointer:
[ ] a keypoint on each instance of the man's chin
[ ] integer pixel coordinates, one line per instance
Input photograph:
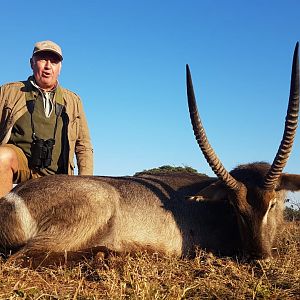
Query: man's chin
(46, 85)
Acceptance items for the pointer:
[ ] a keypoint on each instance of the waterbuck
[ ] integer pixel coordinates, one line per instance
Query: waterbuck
(166, 213)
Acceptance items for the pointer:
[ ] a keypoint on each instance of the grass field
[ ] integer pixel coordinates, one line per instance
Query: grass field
(145, 276)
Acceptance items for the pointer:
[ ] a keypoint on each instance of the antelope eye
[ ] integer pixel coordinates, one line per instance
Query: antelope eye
(272, 205)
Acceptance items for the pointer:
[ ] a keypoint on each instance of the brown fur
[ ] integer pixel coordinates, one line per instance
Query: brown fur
(127, 214)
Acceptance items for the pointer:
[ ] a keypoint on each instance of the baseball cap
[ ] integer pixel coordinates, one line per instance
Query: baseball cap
(47, 46)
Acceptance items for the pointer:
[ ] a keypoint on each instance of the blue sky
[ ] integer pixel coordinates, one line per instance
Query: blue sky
(126, 59)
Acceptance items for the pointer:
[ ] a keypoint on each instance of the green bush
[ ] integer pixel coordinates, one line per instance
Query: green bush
(292, 213)
(168, 169)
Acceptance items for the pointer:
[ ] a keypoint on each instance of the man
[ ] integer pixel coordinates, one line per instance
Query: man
(42, 125)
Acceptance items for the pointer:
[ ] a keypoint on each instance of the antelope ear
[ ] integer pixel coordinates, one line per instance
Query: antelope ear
(289, 182)
(214, 192)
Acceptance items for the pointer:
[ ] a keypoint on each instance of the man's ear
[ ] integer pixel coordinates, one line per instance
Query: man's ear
(31, 63)
(60, 66)
(289, 182)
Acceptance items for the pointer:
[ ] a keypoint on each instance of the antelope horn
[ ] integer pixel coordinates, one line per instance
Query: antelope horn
(291, 122)
(201, 138)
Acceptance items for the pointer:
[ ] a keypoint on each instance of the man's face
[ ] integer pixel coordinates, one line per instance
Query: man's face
(46, 68)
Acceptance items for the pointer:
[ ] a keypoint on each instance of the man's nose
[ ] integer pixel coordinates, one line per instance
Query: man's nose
(48, 63)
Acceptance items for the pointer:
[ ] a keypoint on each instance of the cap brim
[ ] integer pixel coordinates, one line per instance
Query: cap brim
(48, 50)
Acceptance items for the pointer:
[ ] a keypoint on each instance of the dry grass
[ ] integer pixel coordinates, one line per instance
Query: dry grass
(145, 276)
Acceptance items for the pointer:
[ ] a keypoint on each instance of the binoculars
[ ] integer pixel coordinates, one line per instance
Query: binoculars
(41, 153)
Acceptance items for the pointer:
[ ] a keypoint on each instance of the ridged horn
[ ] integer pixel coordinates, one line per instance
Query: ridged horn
(291, 122)
(202, 140)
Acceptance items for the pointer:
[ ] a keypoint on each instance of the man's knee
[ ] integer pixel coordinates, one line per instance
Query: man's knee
(8, 159)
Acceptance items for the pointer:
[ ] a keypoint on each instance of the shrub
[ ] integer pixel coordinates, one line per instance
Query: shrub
(292, 214)
(168, 169)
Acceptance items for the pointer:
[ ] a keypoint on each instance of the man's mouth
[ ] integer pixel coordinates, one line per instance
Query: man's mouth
(46, 74)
